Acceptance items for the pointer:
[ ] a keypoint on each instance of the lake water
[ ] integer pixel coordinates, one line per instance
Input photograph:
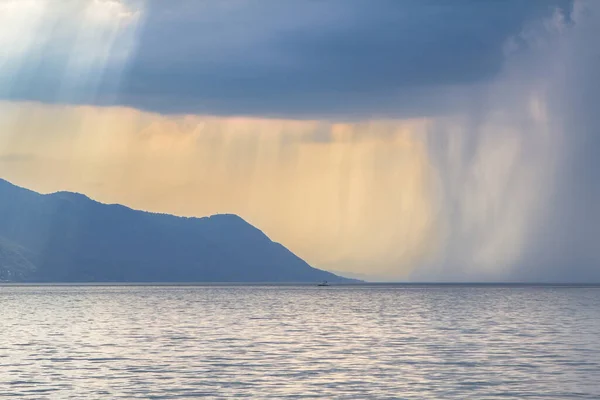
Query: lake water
(407, 342)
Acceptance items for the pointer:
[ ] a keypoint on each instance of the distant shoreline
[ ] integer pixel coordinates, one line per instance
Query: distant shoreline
(299, 284)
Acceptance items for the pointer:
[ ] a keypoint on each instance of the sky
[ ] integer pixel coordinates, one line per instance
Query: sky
(388, 139)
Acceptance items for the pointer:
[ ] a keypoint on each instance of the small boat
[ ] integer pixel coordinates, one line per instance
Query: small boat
(324, 283)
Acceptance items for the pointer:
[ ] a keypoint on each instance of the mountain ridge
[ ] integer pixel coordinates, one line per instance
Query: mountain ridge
(70, 237)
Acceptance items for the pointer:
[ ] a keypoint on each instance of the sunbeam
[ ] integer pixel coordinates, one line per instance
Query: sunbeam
(66, 51)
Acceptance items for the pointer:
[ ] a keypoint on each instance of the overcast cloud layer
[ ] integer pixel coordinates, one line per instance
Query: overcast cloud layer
(309, 59)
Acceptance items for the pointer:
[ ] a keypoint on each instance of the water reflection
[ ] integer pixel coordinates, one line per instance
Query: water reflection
(259, 342)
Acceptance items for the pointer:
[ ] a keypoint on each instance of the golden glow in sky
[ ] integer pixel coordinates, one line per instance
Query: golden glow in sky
(341, 195)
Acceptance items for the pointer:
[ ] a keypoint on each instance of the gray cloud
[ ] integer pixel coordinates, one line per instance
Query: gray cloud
(306, 59)
(15, 157)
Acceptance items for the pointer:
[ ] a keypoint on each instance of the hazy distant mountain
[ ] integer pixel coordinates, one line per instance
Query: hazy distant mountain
(67, 237)
(15, 262)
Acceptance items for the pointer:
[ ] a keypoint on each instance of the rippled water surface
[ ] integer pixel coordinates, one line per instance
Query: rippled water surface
(434, 342)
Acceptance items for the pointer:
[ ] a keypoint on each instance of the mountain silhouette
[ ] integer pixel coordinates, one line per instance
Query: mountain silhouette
(67, 237)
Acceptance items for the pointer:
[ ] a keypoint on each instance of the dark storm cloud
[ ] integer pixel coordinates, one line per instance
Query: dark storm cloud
(320, 57)
(313, 58)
